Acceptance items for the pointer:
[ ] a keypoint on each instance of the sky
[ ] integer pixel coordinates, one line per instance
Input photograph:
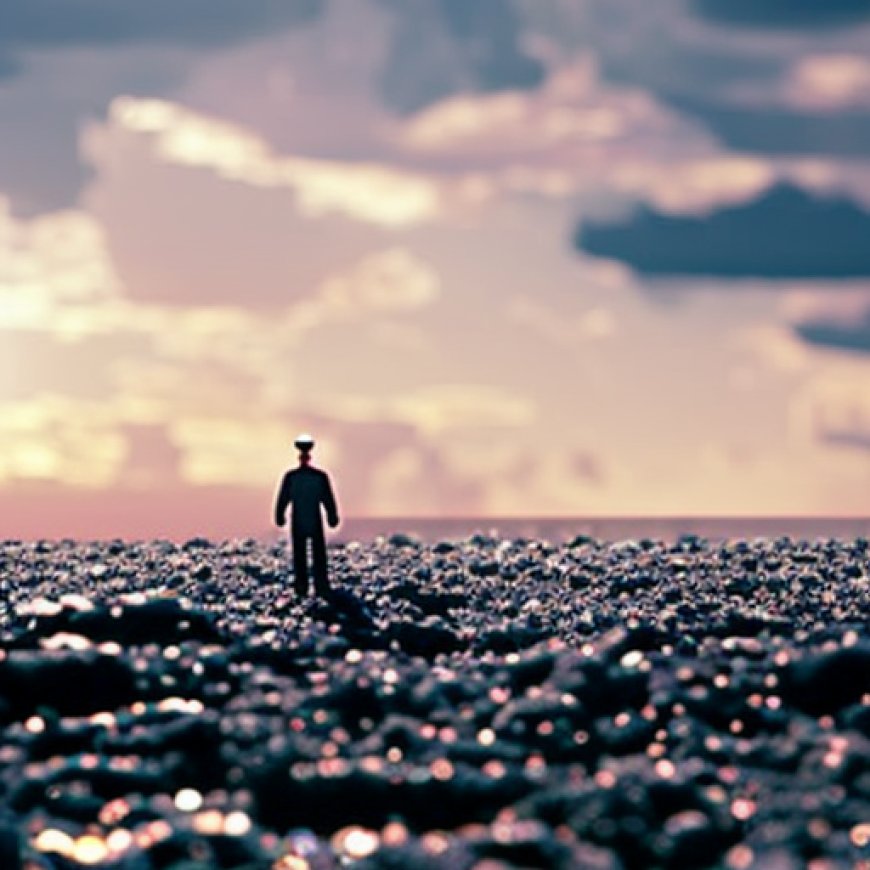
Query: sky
(501, 258)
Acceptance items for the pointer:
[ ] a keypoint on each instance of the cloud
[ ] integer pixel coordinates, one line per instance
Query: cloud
(50, 437)
(390, 280)
(555, 481)
(160, 388)
(784, 13)
(58, 282)
(256, 341)
(831, 334)
(174, 390)
(33, 363)
(216, 449)
(57, 259)
(378, 466)
(398, 455)
(784, 234)
(662, 47)
(693, 184)
(151, 458)
(393, 469)
(856, 436)
(776, 347)
(574, 107)
(370, 192)
(9, 67)
(842, 303)
(827, 403)
(444, 47)
(728, 80)
(833, 407)
(44, 107)
(817, 103)
(829, 82)
(591, 325)
(439, 47)
(579, 135)
(178, 453)
(56, 23)
(777, 130)
(441, 408)
(62, 63)
(181, 234)
(415, 481)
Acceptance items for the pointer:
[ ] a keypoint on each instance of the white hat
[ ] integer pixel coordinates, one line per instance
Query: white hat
(303, 441)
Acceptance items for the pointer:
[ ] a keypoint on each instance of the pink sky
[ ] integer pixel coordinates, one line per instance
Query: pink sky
(254, 237)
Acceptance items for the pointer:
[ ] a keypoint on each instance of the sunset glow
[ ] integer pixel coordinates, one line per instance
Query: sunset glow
(508, 288)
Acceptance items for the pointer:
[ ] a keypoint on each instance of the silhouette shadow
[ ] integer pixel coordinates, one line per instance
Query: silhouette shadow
(356, 622)
(308, 491)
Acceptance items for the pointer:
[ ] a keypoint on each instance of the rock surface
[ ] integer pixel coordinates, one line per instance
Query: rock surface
(469, 705)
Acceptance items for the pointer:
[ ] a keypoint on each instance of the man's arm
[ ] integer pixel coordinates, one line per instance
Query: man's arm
(329, 502)
(283, 501)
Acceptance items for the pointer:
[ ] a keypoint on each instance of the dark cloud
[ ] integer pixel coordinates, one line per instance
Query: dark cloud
(9, 66)
(858, 439)
(699, 72)
(784, 233)
(777, 131)
(853, 337)
(43, 177)
(45, 98)
(650, 48)
(492, 31)
(39, 23)
(784, 13)
(446, 47)
(845, 425)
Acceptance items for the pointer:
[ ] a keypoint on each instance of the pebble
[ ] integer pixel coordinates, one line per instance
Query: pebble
(468, 705)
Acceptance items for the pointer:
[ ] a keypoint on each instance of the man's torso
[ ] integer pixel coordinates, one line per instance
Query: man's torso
(307, 487)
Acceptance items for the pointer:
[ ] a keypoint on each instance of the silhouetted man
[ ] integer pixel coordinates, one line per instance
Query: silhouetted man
(307, 489)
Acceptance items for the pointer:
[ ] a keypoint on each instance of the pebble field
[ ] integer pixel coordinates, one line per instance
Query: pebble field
(474, 704)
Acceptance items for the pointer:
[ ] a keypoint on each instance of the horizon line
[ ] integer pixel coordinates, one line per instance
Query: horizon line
(546, 527)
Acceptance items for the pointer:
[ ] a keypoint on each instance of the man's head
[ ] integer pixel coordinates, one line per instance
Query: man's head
(304, 443)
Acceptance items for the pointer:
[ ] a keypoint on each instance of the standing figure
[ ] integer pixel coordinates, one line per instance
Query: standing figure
(307, 489)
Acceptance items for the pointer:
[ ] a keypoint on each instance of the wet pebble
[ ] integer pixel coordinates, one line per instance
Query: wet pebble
(480, 703)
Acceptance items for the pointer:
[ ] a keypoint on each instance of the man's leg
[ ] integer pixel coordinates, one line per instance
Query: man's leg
(300, 564)
(321, 580)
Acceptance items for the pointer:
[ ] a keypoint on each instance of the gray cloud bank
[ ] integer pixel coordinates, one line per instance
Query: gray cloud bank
(786, 233)
(781, 131)
(43, 100)
(446, 47)
(784, 13)
(41, 23)
(853, 337)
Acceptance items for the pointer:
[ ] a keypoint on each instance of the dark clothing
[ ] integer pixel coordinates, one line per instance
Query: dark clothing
(307, 490)
(300, 564)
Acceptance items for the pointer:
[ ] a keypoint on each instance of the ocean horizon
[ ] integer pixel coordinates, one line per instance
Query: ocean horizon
(554, 529)
(560, 529)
